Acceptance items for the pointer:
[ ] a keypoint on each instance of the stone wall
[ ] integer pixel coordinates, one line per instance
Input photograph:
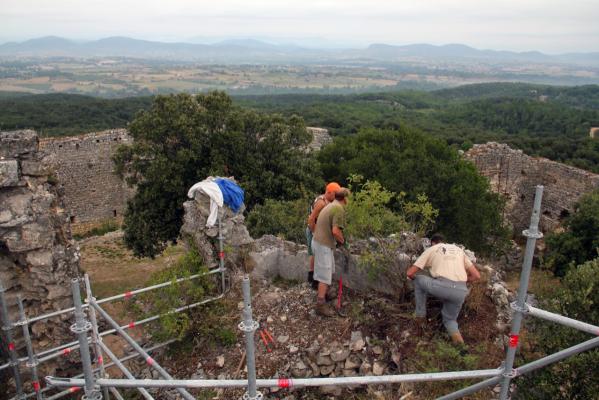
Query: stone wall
(38, 258)
(320, 138)
(515, 175)
(93, 193)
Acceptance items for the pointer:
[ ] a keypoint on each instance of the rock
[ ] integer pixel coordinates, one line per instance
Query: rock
(293, 349)
(326, 370)
(269, 319)
(396, 357)
(356, 342)
(366, 368)
(331, 390)
(349, 372)
(283, 339)
(283, 318)
(378, 350)
(220, 361)
(378, 368)
(352, 362)
(324, 360)
(340, 355)
(9, 173)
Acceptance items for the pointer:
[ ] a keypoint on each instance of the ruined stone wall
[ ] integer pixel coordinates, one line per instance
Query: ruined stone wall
(320, 138)
(515, 175)
(93, 193)
(38, 257)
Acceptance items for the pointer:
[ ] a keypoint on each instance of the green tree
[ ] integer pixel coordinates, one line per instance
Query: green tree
(408, 161)
(580, 241)
(576, 377)
(183, 139)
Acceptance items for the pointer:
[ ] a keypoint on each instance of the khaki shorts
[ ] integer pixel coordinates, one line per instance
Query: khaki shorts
(324, 262)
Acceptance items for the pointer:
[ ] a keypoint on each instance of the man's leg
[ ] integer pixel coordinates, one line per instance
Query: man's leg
(452, 294)
(323, 273)
(421, 285)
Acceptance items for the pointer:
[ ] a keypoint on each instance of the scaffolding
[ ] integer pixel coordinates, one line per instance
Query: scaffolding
(96, 385)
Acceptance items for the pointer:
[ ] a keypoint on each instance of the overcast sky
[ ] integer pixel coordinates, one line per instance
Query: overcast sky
(551, 26)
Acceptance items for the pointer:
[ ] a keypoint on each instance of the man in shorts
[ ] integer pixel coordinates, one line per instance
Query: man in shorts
(317, 205)
(328, 233)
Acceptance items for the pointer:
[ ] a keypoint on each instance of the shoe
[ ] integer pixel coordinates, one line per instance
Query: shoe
(330, 296)
(325, 310)
(420, 325)
(457, 338)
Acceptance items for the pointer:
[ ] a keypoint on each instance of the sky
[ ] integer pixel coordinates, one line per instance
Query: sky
(550, 26)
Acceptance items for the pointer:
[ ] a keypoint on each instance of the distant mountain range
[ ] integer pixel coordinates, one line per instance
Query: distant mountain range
(256, 51)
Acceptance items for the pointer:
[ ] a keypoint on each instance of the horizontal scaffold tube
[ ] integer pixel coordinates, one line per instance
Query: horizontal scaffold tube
(281, 382)
(560, 319)
(65, 349)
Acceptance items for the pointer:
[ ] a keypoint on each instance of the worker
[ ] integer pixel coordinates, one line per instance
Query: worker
(316, 207)
(328, 233)
(450, 269)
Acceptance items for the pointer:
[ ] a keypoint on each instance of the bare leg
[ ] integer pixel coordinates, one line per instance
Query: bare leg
(322, 292)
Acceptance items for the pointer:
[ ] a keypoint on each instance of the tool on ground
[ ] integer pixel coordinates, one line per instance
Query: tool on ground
(344, 269)
(267, 339)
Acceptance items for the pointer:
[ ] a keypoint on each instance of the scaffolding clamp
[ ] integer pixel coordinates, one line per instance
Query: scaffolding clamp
(86, 327)
(95, 394)
(514, 306)
(258, 396)
(513, 373)
(248, 328)
(532, 234)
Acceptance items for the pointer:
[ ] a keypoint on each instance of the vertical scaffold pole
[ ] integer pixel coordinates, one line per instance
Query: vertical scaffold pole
(32, 363)
(12, 351)
(96, 339)
(532, 234)
(80, 328)
(221, 254)
(249, 326)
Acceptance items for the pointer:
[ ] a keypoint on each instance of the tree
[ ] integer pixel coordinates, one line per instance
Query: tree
(580, 241)
(408, 161)
(183, 139)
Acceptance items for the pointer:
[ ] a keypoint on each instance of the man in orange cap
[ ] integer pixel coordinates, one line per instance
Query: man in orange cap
(317, 205)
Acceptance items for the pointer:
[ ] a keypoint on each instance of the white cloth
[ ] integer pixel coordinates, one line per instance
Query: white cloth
(324, 262)
(210, 189)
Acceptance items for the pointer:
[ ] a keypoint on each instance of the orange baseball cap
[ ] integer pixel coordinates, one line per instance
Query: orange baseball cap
(332, 187)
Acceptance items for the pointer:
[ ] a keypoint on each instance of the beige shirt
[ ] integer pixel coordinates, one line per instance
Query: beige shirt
(333, 214)
(445, 260)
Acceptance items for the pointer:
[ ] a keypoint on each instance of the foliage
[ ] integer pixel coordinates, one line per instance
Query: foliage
(408, 161)
(580, 241)
(284, 218)
(369, 216)
(177, 295)
(576, 377)
(104, 228)
(182, 139)
(441, 356)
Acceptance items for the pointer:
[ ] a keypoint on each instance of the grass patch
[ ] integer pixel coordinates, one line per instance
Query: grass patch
(104, 228)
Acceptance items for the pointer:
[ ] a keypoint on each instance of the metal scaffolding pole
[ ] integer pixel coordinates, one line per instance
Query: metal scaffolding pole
(524, 369)
(249, 326)
(7, 328)
(560, 319)
(80, 328)
(149, 360)
(532, 234)
(96, 339)
(110, 364)
(221, 254)
(283, 382)
(124, 369)
(32, 363)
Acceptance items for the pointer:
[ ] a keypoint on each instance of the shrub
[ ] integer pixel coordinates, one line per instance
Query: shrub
(283, 218)
(576, 377)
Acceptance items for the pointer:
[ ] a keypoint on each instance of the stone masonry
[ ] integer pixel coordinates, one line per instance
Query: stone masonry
(93, 193)
(515, 175)
(38, 257)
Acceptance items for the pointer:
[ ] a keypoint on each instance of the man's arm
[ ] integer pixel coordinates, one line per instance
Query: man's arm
(412, 271)
(338, 234)
(472, 272)
(314, 214)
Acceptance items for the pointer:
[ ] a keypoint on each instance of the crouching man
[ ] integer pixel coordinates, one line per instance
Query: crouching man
(450, 269)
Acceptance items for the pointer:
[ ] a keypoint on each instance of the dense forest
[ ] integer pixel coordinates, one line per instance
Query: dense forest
(547, 121)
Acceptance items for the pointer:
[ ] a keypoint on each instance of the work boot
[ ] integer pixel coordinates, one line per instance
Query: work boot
(325, 310)
(331, 294)
(457, 338)
(420, 325)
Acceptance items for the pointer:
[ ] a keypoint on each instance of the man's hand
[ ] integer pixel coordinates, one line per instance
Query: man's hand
(411, 272)
(473, 274)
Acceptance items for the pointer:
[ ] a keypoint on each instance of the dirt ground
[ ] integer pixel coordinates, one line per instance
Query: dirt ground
(285, 309)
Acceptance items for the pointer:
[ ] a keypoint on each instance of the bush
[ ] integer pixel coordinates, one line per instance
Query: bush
(104, 228)
(576, 377)
(283, 218)
(580, 242)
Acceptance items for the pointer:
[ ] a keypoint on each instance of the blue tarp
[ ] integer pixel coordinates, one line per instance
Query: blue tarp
(232, 193)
